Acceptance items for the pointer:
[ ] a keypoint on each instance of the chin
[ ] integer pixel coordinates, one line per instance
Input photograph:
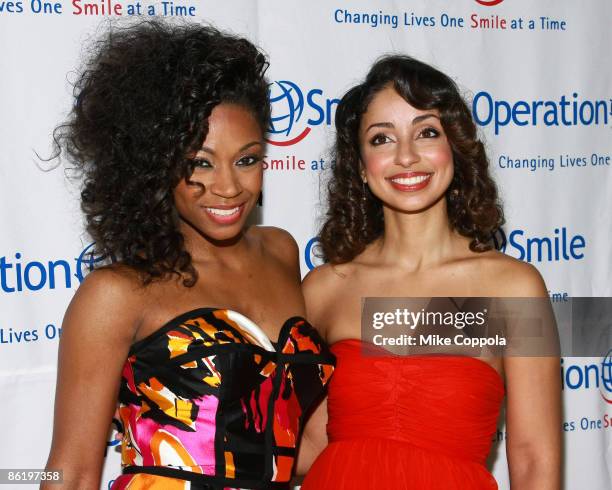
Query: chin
(226, 234)
(414, 205)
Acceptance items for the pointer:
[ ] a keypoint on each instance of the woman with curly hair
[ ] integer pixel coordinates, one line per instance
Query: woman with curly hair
(411, 213)
(196, 324)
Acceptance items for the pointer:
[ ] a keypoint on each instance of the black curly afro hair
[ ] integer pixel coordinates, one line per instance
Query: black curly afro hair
(142, 102)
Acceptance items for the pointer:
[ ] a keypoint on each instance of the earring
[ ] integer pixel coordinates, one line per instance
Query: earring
(364, 179)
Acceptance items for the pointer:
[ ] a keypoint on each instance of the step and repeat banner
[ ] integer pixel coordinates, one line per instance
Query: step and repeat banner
(538, 76)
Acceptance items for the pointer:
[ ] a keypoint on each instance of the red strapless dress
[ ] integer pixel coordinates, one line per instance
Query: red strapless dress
(398, 423)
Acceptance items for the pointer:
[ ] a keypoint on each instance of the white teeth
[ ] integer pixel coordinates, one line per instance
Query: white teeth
(411, 180)
(223, 212)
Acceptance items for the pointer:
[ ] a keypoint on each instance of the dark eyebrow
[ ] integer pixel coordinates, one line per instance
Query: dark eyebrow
(207, 150)
(389, 125)
(380, 125)
(245, 147)
(248, 145)
(420, 118)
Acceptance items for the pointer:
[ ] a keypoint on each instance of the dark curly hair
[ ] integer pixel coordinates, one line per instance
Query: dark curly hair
(141, 107)
(355, 216)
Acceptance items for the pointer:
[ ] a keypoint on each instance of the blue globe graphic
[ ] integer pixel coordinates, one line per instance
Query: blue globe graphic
(287, 105)
(87, 261)
(606, 373)
(500, 241)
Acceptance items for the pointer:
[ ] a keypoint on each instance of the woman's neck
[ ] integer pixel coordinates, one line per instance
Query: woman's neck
(417, 240)
(203, 249)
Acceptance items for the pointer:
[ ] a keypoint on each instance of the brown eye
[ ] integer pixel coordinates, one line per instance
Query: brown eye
(379, 139)
(247, 161)
(429, 133)
(201, 163)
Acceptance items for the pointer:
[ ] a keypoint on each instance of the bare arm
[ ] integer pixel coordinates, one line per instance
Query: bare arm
(314, 436)
(96, 335)
(533, 413)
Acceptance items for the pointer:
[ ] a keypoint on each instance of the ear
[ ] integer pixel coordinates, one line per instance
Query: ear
(362, 172)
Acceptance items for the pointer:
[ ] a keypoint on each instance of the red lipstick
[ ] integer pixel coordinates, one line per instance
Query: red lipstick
(410, 181)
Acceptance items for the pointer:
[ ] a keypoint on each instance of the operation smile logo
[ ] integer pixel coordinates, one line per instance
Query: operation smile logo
(558, 246)
(576, 377)
(564, 110)
(310, 254)
(17, 275)
(295, 113)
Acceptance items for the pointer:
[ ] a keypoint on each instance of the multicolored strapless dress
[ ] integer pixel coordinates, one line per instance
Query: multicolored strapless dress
(208, 402)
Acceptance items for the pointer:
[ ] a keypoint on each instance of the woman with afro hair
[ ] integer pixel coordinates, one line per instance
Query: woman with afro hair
(411, 213)
(195, 324)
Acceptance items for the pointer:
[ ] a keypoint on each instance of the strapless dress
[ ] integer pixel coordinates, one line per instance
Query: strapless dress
(414, 422)
(209, 402)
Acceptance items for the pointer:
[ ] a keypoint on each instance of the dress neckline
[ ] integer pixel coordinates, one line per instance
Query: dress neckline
(256, 330)
(480, 362)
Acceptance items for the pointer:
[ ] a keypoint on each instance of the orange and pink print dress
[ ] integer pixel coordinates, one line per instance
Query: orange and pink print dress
(208, 402)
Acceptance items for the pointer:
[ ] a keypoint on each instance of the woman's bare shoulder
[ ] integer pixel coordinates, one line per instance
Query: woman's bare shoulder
(327, 276)
(115, 282)
(113, 293)
(508, 276)
(276, 242)
(323, 287)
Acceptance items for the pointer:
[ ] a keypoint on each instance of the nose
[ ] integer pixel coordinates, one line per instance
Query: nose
(406, 154)
(226, 183)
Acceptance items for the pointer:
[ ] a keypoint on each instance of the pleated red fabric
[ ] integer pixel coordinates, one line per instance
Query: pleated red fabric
(408, 422)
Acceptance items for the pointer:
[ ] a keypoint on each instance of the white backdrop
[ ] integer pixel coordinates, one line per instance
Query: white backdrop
(539, 77)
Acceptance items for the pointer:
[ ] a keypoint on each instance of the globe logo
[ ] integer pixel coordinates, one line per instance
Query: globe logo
(606, 377)
(500, 240)
(312, 254)
(287, 103)
(86, 262)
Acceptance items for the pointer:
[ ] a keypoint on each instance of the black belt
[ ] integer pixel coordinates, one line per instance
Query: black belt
(207, 482)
